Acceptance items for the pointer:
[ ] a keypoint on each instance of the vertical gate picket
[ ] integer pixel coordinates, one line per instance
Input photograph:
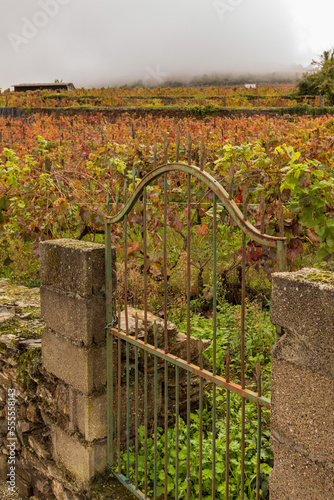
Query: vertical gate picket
(119, 394)
(242, 346)
(155, 411)
(188, 318)
(227, 456)
(214, 368)
(165, 330)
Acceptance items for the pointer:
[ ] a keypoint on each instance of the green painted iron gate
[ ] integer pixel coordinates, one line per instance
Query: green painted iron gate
(150, 419)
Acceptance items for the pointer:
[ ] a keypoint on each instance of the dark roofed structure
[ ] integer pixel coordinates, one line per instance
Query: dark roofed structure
(25, 87)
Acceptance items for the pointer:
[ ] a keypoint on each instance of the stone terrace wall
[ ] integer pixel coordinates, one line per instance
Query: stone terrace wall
(302, 415)
(38, 395)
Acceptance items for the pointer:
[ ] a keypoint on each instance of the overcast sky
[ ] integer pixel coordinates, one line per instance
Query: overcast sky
(103, 42)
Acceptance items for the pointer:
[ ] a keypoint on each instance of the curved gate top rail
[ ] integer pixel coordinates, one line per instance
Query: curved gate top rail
(215, 186)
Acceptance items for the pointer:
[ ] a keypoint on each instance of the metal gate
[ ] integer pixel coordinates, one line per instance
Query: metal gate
(150, 417)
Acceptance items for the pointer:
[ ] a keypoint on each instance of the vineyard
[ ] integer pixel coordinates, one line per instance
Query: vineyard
(61, 175)
(232, 96)
(55, 174)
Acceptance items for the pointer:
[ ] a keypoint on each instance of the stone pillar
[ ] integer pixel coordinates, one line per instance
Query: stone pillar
(302, 415)
(74, 350)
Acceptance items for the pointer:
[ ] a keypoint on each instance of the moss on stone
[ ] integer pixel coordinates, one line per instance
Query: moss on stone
(324, 277)
(24, 360)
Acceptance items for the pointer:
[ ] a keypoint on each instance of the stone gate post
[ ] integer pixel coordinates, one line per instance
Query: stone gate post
(302, 415)
(74, 350)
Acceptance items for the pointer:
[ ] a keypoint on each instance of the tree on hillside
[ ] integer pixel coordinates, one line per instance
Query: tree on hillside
(321, 80)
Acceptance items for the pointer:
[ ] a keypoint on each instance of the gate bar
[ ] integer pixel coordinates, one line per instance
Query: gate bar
(219, 381)
(110, 348)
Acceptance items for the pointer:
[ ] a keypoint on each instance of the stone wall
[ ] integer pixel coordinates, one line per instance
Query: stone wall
(39, 401)
(60, 388)
(302, 416)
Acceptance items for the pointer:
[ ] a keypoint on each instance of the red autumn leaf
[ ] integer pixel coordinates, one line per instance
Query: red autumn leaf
(175, 222)
(253, 254)
(202, 230)
(295, 248)
(296, 229)
(85, 214)
(305, 183)
(134, 247)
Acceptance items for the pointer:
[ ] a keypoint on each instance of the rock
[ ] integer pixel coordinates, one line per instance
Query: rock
(23, 486)
(3, 467)
(3, 395)
(61, 476)
(41, 487)
(25, 427)
(6, 314)
(8, 340)
(25, 316)
(10, 372)
(30, 343)
(3, 427)
(39, 447)
(179, 349)
(59, 491)
(172, 330)
(32, 413)
(35, 463)
(22, 305)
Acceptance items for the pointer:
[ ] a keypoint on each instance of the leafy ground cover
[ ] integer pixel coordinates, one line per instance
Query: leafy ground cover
(260, 336)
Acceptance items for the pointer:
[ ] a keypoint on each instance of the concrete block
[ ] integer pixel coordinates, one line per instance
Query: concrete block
(301, 404)
(74, 266)
(88, 414)
(80, 320)
(83, 460)
(296, 477)
(300, 304)
(305, 309)
(82, 368)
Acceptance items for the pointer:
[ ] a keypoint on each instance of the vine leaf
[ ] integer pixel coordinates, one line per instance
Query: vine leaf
(295, 248)
(202, 230)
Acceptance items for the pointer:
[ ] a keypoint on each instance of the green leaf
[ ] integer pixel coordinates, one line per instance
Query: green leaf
(330, 242)
(266, 468)
(323, 252)
(4, 203)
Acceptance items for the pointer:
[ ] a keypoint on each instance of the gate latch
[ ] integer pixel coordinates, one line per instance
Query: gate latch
(112, 324)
